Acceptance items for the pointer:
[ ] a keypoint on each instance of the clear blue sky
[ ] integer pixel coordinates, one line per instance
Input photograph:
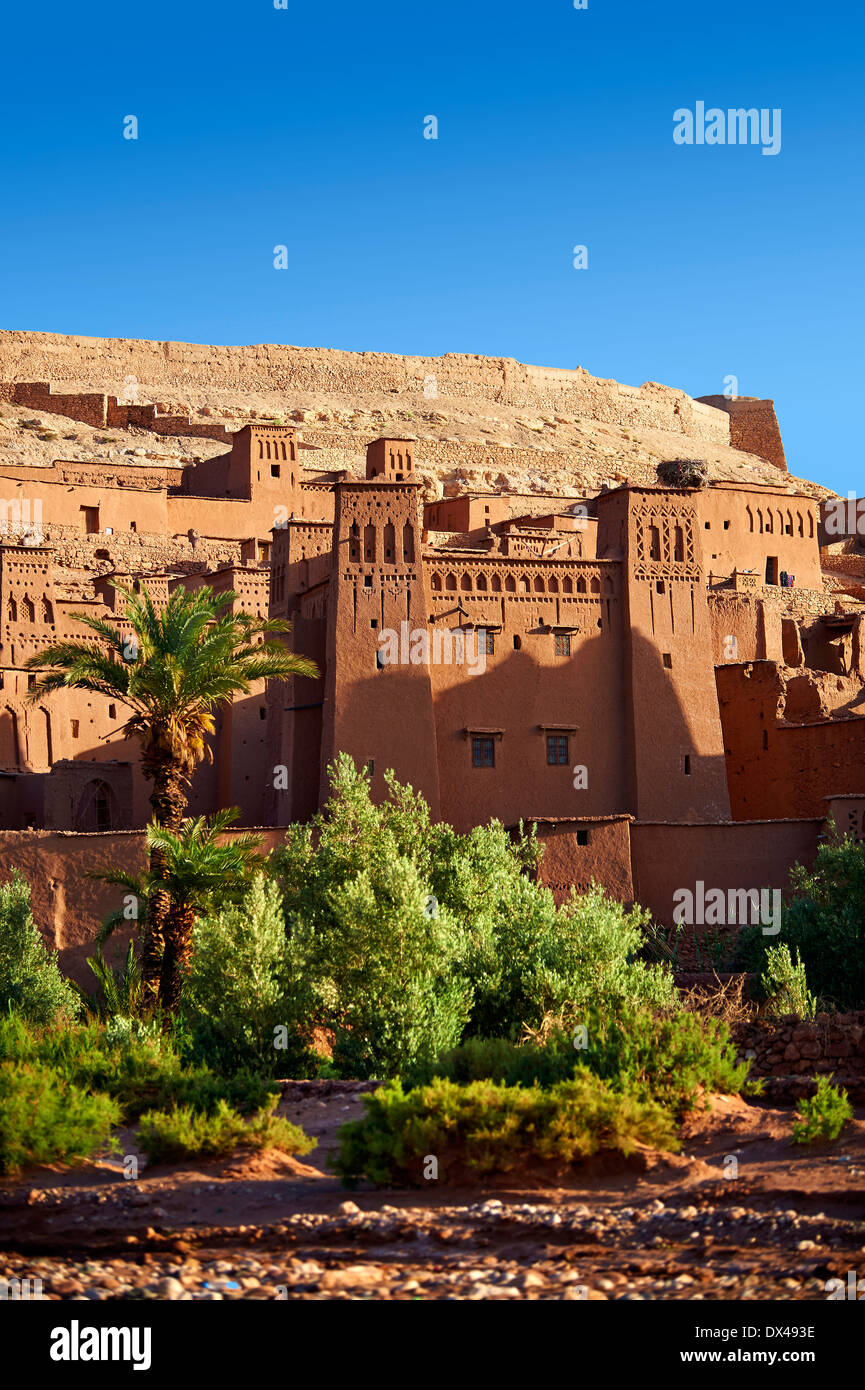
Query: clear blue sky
(304, 127)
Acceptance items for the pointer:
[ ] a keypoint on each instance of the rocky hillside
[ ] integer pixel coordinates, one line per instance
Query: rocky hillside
(483, 423)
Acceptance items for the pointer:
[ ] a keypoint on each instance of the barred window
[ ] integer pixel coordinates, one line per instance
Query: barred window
(563, 644)
(557, 749)
(483, 752)
(486, 641)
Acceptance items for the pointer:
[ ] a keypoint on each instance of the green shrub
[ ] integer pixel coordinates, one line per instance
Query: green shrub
(824, 923)
(240, 990)
(490, 1128)
(30, 979)
(823, 1115)
(139, 1069)
(672, 1059)
(120, 987)
(184, 1132)
(46, 1119)
(785, 986)
(411, 935)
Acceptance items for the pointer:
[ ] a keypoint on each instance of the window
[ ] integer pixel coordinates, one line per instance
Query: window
(687, 764)
(379, 661)
(668, 661)
(103, 816)
(274, 470)
(262, 712)
(367, 581)
(563, 644)
(112, 711)
(582, 837)
(486, 641)
(517, 643)
(660, 587)
(483, 752)
(373, 622)
(726, 525)
(369, 767)
(557, 749)
(74, 728)
(90, 517)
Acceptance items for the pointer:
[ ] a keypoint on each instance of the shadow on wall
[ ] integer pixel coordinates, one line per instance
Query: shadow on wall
(517, 703)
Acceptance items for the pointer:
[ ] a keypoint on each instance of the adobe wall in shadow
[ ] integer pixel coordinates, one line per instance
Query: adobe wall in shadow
(755, 854)
(68, 905)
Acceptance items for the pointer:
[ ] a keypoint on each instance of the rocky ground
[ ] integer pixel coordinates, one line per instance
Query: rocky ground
(740, 1213)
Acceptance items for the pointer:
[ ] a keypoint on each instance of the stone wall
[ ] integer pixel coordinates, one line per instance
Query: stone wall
(790, 1053)
(753, 427)
(137, 552)
(103, 412)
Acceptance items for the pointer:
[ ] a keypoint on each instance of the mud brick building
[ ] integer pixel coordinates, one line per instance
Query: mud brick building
(663, 680)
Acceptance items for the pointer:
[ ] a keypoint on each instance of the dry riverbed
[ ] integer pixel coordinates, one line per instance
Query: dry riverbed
(740, 1213)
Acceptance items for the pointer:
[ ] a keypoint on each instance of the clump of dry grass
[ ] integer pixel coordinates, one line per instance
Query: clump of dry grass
(724, 1000)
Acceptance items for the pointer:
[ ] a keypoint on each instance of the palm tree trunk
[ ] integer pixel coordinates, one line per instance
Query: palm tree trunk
(169, 800)
(175, 961)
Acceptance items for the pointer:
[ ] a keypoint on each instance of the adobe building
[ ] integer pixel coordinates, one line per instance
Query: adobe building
(658, 678)
(647, 683)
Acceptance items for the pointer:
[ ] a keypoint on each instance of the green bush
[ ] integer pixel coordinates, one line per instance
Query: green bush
(240, 990)
(490, 1128)
(824, 923)
(672, 1058)
(823, 1115)
(128, 1062)
(785, 986)
(411, 936)
(184, 1132)
(46, 1119)
(30, 978)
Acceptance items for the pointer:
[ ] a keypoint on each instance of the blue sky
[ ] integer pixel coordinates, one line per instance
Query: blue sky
(304, 127)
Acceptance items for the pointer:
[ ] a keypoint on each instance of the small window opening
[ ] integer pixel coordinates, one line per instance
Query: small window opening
(483, 752)
(582, 837)
(557, 749)
(687, 764)
(668, 660)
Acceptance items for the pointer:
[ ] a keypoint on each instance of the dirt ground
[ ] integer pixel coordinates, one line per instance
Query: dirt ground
(741, 1212)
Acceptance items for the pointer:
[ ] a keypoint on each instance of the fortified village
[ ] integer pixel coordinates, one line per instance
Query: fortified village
(508, 602)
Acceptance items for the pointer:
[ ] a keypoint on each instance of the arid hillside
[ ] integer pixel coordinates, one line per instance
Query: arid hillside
(483, 423)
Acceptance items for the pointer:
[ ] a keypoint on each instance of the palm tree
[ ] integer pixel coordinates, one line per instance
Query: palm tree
(171, 668)
(197, 873)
